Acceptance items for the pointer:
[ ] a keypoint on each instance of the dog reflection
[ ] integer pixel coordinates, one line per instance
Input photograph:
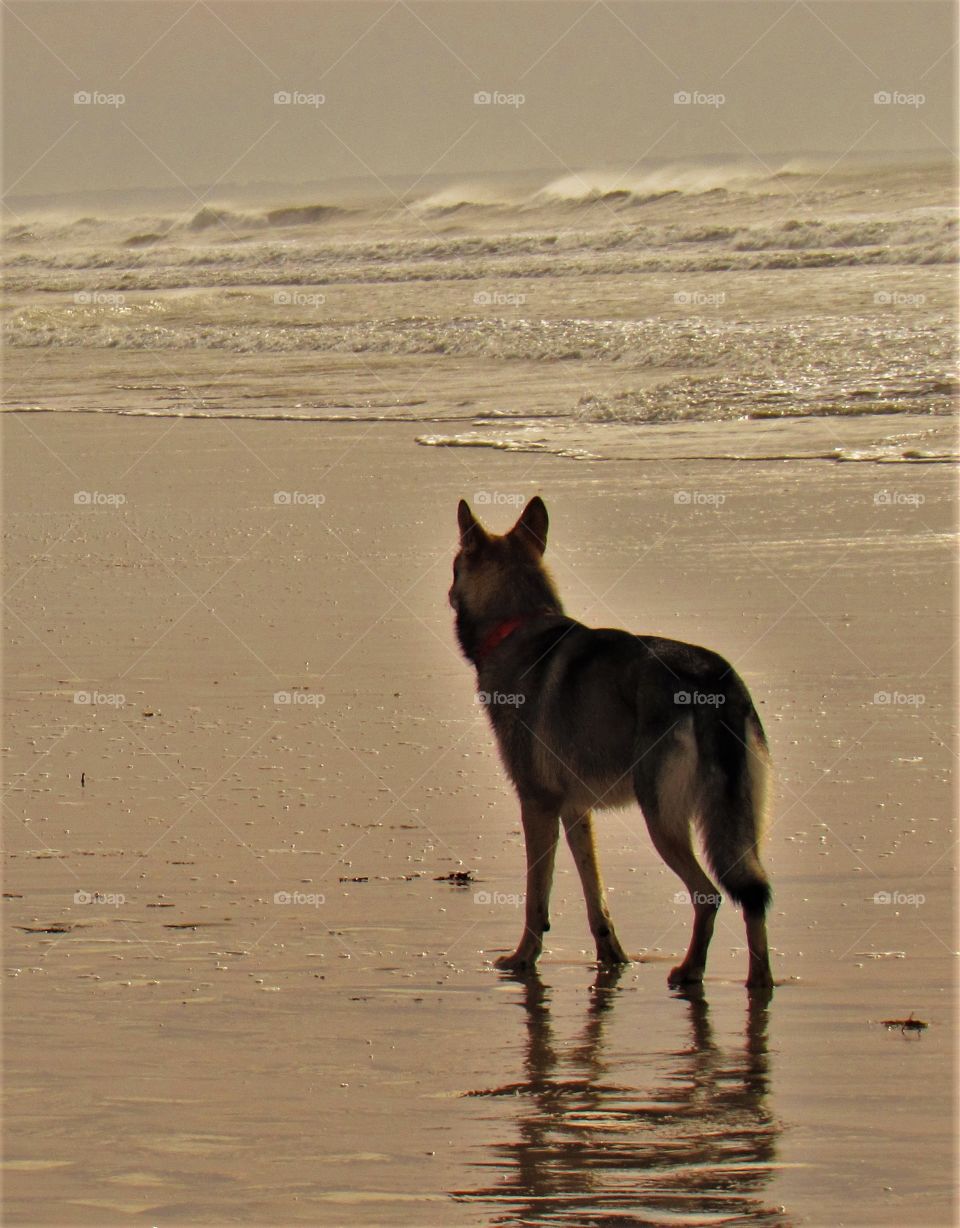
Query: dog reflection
(701, 1142)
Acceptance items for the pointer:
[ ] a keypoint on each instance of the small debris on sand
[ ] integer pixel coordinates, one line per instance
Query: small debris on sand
(906, 1025)
(459, 878)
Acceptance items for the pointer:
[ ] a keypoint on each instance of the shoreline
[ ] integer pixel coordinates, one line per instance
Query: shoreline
(873, 438)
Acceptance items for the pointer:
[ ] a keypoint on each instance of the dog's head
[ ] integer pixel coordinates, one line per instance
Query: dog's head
(500, 576)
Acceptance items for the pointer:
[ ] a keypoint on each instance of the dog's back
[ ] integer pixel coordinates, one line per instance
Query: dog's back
(600, 718)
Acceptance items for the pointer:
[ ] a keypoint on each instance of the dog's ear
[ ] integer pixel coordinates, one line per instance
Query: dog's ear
(533, 524)
(472, 532)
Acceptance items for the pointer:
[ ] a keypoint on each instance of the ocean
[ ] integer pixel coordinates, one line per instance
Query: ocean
(714, 307)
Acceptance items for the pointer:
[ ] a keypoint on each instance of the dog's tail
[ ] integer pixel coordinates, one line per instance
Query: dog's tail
(733, 770)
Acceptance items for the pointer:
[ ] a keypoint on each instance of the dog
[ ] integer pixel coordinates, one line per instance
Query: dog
(586, 719)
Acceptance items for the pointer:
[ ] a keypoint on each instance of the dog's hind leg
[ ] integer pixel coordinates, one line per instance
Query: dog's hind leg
(578, 826)
(667, 792)
(760, 977)
(677, 852)
(541, 829)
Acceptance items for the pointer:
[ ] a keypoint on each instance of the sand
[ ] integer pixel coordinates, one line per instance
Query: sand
(236, 991)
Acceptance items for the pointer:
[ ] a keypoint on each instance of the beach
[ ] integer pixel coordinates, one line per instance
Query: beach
(282, 285)
(244, 759)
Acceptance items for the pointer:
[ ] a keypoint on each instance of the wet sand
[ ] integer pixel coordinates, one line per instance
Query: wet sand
(235, 990)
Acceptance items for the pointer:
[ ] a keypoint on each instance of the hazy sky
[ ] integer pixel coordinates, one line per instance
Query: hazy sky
(398, 80)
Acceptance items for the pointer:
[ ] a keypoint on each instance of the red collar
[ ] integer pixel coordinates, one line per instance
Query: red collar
(503, 630)
(496, 637)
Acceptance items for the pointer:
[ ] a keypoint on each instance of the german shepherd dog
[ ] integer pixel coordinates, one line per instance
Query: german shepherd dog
(587, 718)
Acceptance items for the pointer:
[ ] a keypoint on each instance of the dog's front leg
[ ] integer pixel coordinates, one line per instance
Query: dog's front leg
(578, 825)
(541, 829)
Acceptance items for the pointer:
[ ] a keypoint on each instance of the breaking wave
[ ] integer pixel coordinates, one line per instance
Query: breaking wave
(672, 293)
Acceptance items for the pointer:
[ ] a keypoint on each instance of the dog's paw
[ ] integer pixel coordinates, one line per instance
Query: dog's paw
(519, 961)
(682, 975)
(610, 952)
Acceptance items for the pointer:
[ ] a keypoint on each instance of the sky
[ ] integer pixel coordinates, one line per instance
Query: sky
(185, 93)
